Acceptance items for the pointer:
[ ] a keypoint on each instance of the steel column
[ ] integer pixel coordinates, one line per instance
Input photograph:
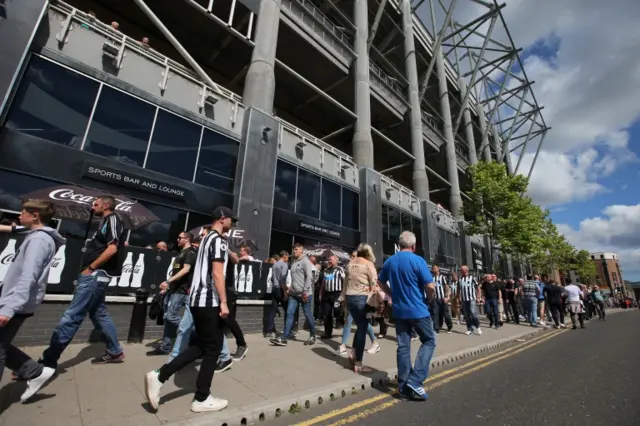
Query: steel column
(468, 126)
(484, 142)
(362, 140)
(376, 23)
(420, 178)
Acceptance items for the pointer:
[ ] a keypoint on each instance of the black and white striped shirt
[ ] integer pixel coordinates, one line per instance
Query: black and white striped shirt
(440, 281)
(468, 288)
(213, 248)
(333, 279)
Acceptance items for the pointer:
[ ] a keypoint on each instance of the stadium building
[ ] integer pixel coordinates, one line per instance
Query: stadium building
(320, 121)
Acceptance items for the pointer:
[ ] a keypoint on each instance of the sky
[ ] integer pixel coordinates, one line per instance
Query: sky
(584, 56)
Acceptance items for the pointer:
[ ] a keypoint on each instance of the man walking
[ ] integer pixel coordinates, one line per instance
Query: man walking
(300, 293)
(540, 283)
(440, 307)
(278, 293)
(23, 289)
(598, 300)
(330, 290)
(574, 305)
(176, 288)
(101, 261)
(409, 277)
(530, 294)
(469, 295)
(208, 306)
(493, 298)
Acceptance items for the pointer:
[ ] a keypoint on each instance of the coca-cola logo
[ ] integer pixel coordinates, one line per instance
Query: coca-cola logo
(127, 269)
(67, 194)
(7, 259)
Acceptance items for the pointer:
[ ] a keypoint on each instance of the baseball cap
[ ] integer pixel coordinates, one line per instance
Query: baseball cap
(222, 211)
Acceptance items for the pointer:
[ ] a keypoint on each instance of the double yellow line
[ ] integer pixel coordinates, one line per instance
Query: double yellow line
(431, 383)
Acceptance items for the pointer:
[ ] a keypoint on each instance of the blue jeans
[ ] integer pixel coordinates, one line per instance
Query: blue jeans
(88, 299)
(531, 309)
(493, 311)
(418, 374)
(346, 330)
(307, 309)
(276, 301)
(185, 328)
(357, 307)
(470, 312)
(225, 354)
(173, 304)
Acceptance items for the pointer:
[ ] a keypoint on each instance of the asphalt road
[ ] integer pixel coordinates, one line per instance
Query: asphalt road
(582, 377)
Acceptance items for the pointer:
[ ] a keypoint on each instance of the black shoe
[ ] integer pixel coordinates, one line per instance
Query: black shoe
(327, 336)
(449, 330)
(157, 351)
(310, 341)
(107, 358)
(279, 341)
(224, 365)
(268, 335)
(241, 352)
(437, 331)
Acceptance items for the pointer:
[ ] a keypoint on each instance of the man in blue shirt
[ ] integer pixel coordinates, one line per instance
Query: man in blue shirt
(408, 278)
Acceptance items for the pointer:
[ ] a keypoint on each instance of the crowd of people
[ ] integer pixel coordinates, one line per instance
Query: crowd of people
(198, 306)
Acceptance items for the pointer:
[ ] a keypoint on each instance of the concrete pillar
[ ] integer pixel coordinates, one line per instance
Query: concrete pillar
(420, 179)
(455, 199)
(507, 159)
(260, 82)
(484, 143)
(497, 145)
(254, 183)
(362, 141)
(468, 125)
(466, 253)
(371, 212)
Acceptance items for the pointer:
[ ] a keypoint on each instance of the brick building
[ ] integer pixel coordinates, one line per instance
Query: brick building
(608, 273)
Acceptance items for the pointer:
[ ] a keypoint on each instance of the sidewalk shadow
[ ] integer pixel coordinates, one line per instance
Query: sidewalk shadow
(184, 379)
(10, 394)
(92, 351)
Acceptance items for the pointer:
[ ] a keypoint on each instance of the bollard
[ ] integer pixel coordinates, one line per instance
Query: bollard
(138, 317)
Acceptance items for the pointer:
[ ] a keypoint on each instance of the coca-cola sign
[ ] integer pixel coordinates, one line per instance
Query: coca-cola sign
(5, 260)
(122, 178)
(69, 195)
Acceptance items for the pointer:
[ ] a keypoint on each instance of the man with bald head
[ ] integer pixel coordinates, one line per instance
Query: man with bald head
(469, 295)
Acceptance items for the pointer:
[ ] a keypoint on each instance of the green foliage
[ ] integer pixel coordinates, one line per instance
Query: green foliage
(583, 265)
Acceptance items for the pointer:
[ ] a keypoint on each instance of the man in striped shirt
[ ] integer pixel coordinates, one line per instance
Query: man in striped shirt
(530, 293)
(330, 290)
(208, 306)
(469, 295)
(440, 305)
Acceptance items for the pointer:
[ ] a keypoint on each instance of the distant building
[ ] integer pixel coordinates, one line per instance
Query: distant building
(608, 273)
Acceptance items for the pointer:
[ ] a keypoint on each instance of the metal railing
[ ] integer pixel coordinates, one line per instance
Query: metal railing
(321, 19)
(116, 37)
(403, 191)
(389, 81)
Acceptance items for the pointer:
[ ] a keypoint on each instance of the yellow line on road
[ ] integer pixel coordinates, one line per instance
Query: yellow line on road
(500, 355)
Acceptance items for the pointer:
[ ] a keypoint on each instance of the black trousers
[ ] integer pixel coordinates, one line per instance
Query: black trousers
(557, 313)
(209, 330)
(329, 299)
(441, 314)
(230, 321)
(600, 309)
(511, 310)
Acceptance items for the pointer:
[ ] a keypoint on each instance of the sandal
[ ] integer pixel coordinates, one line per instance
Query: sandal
(352, 357)
(360, 369)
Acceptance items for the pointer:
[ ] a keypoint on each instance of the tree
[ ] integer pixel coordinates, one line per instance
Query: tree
(497, 208)
(583, 265)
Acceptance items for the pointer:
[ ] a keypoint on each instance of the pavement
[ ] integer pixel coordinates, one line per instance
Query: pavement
(270, 382)
(567, 378)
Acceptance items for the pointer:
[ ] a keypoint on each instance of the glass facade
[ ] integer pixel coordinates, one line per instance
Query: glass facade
(308, 194)
(66, 107)
(394, 222)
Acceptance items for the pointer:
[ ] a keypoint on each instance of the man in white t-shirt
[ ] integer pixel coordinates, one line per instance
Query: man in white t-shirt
(574, 305)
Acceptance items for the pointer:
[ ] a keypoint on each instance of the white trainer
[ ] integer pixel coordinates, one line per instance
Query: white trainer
(478, 331)
(34, 385)
(468, 332)
(209, 404)
(152, 387)
(374, 349)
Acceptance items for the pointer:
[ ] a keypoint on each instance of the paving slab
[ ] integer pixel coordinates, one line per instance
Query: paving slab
(266, 383)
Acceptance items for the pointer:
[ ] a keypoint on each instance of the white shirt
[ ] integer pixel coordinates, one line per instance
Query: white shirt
(573, 292)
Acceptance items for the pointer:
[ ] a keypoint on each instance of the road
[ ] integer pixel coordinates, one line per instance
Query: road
(566, 378)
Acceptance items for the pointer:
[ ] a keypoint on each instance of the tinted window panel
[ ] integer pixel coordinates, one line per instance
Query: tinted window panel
(280, 241)
(385, 222)
(395, 224)
(217, 161)
(121, 127)
(174, 146)
(171, 223)
(331, 202)
(406, 222)
(53, 103)
(350, 209)
(308, 194)
(284, 194)
(417, 229)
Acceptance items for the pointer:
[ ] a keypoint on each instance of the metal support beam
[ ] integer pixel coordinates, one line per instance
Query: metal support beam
(338, 132)
(524, 146)
(512, 129)
(316, 88)
(512, 92)
(175, 43)
(392, 143)
(318, 96)
(495, 106)
(399, 166)
(535, 158)
(533, 135)
(376, 23)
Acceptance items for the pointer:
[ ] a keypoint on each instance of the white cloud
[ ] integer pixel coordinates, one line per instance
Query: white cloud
(617, 230)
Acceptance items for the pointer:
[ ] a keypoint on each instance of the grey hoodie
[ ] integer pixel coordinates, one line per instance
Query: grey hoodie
(302, 276)
(25, 282)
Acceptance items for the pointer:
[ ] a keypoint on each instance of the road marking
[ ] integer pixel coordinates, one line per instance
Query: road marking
(499, 355)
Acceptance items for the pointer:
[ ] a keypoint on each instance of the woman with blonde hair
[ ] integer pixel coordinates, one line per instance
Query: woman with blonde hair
(360, 286)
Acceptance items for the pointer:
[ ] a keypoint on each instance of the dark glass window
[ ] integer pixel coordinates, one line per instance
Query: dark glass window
(308, 194)
(121, 127)
(174, 146)
(331, 202)
(171, 223)
(350, 209)
(385, 222)
(217, 161)
(284, 194)
(395, 224)
(280, 241)
(406, 222)
(417, 230)
(197, 220)
(53, 103)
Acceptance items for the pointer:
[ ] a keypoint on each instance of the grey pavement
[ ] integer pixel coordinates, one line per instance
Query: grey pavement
(268, 379)
(579, 378)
